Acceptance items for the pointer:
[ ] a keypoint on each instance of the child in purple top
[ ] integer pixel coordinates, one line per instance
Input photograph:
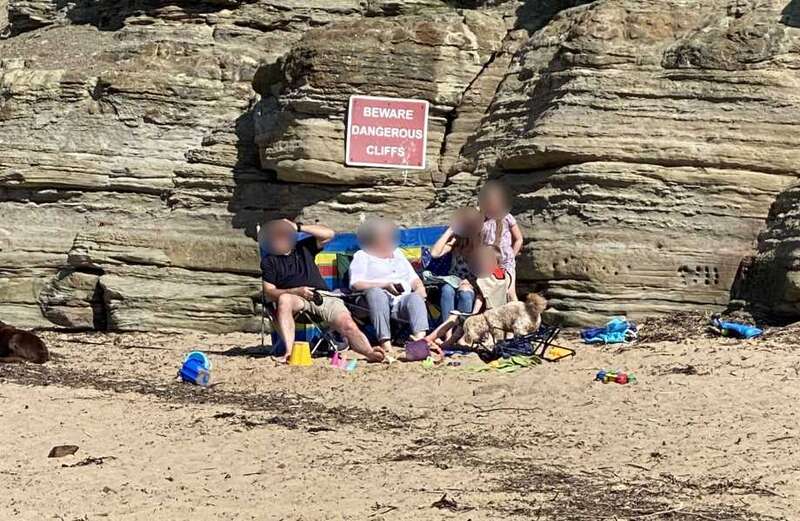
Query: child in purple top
(500, 228)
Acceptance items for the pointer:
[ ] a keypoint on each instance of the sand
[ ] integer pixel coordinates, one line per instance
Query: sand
(709, 432)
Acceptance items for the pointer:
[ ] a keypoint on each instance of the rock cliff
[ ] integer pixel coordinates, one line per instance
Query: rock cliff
(771, 280)
(141, 142)
(647, 141)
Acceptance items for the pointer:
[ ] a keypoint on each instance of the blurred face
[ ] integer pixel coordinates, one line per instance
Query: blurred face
(467, 223)
(281, 237)
(493, 202)
(385, 240)
(485, 261)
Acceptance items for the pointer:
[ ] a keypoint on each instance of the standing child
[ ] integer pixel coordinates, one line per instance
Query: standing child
(500, 228)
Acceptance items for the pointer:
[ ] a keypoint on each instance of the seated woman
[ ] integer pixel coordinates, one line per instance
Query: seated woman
(461, 239)
(392, 287)
(495, 288)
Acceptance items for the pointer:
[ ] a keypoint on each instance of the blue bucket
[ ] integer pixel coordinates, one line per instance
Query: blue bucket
(196, 369)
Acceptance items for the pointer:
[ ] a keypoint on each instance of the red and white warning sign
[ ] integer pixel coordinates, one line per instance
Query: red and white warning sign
(386, 132)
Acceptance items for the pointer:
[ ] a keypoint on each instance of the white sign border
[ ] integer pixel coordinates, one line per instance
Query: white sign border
(384, 165)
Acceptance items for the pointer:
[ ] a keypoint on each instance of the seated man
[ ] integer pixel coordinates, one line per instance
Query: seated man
(291, 278)
(392, 287)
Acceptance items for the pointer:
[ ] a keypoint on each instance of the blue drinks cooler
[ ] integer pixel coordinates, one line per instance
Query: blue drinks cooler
(303, 333)
(196, 369)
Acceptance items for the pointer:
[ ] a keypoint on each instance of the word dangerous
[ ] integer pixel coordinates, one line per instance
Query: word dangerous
(406, 133)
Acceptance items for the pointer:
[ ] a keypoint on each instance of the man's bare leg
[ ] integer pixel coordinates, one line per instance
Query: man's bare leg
(347, 327)
(288, 305)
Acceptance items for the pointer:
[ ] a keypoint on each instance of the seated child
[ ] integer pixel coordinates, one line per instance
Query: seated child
(495, 284)
(494, 289)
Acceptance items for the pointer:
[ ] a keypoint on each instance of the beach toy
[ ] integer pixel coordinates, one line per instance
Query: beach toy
(196, 369)
(301, 355)
(417, 350)
(618, 377)
(735, 329)
(428, 363)
(351, 366)
(338, 362)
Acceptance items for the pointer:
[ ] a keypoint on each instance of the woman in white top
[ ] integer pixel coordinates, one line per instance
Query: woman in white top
(392, 288)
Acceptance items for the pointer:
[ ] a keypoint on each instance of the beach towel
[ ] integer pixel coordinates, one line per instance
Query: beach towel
(616, 331)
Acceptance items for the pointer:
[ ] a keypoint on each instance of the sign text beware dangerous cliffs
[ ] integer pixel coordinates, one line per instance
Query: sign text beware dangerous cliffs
(386, 132)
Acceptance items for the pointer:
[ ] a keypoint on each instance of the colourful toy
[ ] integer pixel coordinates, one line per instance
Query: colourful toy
(618, 377)
(337, 362)
(196, 369)
(351, 365)
(301, 355)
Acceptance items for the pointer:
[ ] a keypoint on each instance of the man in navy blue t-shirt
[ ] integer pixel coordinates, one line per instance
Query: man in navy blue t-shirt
(291, 277)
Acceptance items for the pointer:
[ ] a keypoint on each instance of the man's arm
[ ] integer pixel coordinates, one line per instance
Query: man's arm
(273, 293)
(321, 233)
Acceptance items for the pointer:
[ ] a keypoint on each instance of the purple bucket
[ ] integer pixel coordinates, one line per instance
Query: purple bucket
(417, 350)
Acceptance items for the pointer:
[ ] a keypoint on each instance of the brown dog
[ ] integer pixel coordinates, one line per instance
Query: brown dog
(17, 346)
(519, 318)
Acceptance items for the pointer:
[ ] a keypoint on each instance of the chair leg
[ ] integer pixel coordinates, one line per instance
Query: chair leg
(317, 344)
(263, 330)
(263, 320)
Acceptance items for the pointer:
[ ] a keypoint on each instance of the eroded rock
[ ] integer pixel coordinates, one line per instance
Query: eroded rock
(646, 141)
(141, 143)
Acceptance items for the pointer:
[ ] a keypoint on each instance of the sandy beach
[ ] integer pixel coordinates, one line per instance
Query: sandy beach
(709, 432)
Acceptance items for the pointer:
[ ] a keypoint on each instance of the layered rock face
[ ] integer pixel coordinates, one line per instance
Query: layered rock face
(5, 28)
(646, 141)
(141, 142)
(772, 280)
(130, 182)
(123, 137)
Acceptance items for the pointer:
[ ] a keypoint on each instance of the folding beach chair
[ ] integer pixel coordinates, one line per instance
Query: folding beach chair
(334, 263)
(538, 344)
(307, 328)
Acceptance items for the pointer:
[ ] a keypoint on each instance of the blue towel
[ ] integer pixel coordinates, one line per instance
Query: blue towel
(616, 331)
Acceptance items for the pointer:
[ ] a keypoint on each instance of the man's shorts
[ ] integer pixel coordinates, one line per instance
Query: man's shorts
(330, 309)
